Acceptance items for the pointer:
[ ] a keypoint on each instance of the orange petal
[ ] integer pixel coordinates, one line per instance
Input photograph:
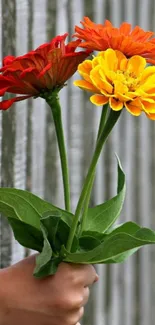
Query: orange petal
(99, 100)
(115, 104)
(134, 107)
(149, 106)
(85, 85)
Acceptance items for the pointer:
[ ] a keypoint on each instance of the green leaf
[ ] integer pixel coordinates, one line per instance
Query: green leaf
(50, 221)
(44, 258)
(88, 242)
(27, 207)
(97, 235)
(127, 227)
(101, 217)
(63, 233)
(123, 256)
(27, 235)
(49, 269)
(111, 249)
(57, 230)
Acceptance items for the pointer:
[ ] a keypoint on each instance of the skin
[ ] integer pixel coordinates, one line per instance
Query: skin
(55, 300)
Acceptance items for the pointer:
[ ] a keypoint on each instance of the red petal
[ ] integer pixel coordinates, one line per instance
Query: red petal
(8, 59)
(22, 75)
(48, 67)
(3, 90)
(5, 104)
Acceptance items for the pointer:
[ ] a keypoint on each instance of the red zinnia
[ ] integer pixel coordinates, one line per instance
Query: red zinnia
(44, 69)
(130, 42)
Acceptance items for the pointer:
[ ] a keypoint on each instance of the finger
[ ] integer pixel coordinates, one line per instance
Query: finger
(90, 276)
(85, 296)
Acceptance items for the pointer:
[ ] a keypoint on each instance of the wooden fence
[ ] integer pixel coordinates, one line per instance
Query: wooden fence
(125, 294)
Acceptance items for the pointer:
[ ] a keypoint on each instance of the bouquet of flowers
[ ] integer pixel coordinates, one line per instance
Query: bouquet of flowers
(118, 78)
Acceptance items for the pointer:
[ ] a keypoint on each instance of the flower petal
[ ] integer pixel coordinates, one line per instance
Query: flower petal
(135, 107)
(115, 104)
(99, 100)
(101, 37)
(136, 65)
(85, 85)
(5, 104)
(100, 83)
(147, 73)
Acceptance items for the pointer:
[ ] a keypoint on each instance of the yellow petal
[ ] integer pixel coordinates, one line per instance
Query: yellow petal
(95, 62)
(119, 87)
(147, 73)
(99, 100)
(136, 65)
(99, 82)
(122, 61)
(109, 75)
(111, 59)
(85, 85)
(149, 106)
(134, 107)
(115, 104)
(124, 98)
(149, 84)
(84, 69)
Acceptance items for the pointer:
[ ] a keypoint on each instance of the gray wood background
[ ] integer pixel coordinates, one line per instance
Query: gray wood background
(125, 294)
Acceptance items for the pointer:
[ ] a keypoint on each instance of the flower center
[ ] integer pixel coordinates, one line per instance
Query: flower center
(128, 79)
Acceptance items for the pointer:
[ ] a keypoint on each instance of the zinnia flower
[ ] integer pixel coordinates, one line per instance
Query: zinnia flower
(130, 42)
(42, 70)
(120, 82)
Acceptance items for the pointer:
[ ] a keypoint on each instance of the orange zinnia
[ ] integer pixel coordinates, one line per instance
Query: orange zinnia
(40, 71)
(130, 42)
(119, 81)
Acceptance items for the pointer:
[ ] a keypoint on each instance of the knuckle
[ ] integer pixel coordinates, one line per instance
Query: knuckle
(81, 313)
(74, 319)
(79, 301)
(74, 302)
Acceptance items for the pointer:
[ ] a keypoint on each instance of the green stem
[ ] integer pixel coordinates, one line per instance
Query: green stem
(87, 200)
(112, 119)
(102, 120)
(53, 101)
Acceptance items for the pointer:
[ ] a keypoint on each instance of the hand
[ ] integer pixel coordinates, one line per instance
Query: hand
(55, 300)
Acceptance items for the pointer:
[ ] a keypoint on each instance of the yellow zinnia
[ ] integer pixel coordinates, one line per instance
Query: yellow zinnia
(119, 81)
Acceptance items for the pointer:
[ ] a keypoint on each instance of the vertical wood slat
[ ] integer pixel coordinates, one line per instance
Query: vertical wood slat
(51, 169)
(145, 202)
(76, 122)
(129, 274)
(38, 145)
(115, 12)
(130, 12)
(62, 28)
(20, 119)
(8, 125)
(100, 314)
